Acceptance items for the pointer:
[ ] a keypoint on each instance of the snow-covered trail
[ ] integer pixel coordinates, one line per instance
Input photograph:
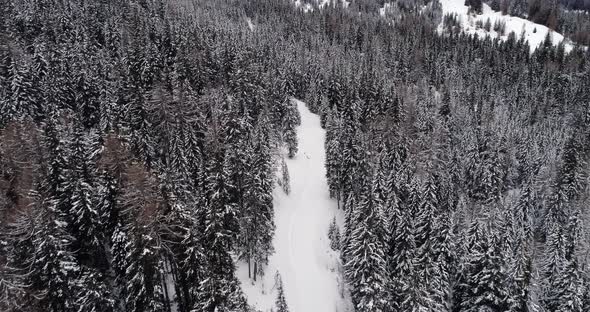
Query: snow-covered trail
(308, 267)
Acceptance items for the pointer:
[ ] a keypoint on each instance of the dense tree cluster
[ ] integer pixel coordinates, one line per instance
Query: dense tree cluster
(139, 140)
(455, 199)
(137, 156)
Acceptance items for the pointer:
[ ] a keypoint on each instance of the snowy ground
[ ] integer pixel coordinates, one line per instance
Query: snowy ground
(308, 267)
(307, 7)
(534, 33)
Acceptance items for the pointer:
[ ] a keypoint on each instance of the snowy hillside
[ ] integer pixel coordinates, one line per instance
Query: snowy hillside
(534, 33)
(308, 6)
(308, 267)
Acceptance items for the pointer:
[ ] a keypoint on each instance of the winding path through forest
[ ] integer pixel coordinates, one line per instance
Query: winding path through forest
(308, 267)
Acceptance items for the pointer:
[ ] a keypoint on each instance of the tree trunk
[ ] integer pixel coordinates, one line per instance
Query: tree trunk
(249, 271)
(255, 269)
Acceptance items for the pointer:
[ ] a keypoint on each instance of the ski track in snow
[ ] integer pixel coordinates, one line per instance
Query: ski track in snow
(308, 267)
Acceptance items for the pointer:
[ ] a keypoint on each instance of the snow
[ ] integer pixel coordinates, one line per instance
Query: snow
(386, 7)
(250, 24)
(534, 33)
(169, 287)
(322, 3)
(306, 7)
(310, 270)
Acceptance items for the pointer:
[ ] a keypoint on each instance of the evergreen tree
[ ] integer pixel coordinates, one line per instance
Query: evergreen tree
(142, 261)
(285, 179)
(334, 154)
(475, 5)
(281, 302)
(54, 266)
(365, 268)
(81, 186)
(334, 235)
(486, 276)
(19, 96)
(97, 295)
(258, 223)
(221, 218)
(291, 121)
(402, 264)
(566, 292)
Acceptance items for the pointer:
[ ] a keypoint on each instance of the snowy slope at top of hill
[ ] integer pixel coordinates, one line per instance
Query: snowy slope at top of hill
(308, 7)
(534, 33)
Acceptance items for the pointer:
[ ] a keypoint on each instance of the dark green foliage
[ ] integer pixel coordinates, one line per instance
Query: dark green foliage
(137, 139)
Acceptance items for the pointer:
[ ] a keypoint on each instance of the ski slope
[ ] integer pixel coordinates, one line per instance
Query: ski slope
(308, 267)
(533, 33)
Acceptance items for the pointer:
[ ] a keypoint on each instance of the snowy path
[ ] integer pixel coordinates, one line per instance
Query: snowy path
(307, 265)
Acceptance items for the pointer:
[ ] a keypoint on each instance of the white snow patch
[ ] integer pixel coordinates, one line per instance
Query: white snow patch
(169, 287)
(310, 270)
(305, 7)
(250, 24)
(322, 3)
(534, 33)
(386, 8)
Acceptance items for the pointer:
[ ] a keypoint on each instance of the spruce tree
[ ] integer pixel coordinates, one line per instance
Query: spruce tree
(365, 268)
(290, 122)
(402, 266)
(54, 269)
(142, 258)
(281, 302)
(334, 235)
(285, 179)
(486, 280)
(258, 223)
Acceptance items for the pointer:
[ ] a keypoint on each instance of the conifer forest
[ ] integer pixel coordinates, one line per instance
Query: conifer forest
(228, 155)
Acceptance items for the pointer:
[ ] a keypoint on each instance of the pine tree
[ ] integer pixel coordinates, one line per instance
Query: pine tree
(142, 258)
(54, 267)
(334, 235)
(281, 302)
(19, 97)
(442, 267)
(349, 225)
(291, 121)
(144, 291)
(258, 220)
(334, 154)
(97, 295)
(426, 212)
(81, 186)
(520, 281)
(192, 267)
(365, 268)
(402, 264)
(486, 276)
(564, 285)
(87, 98)
(221, 218)
(219, 291)
(566, 290)
(220, 294)
(285, 179)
